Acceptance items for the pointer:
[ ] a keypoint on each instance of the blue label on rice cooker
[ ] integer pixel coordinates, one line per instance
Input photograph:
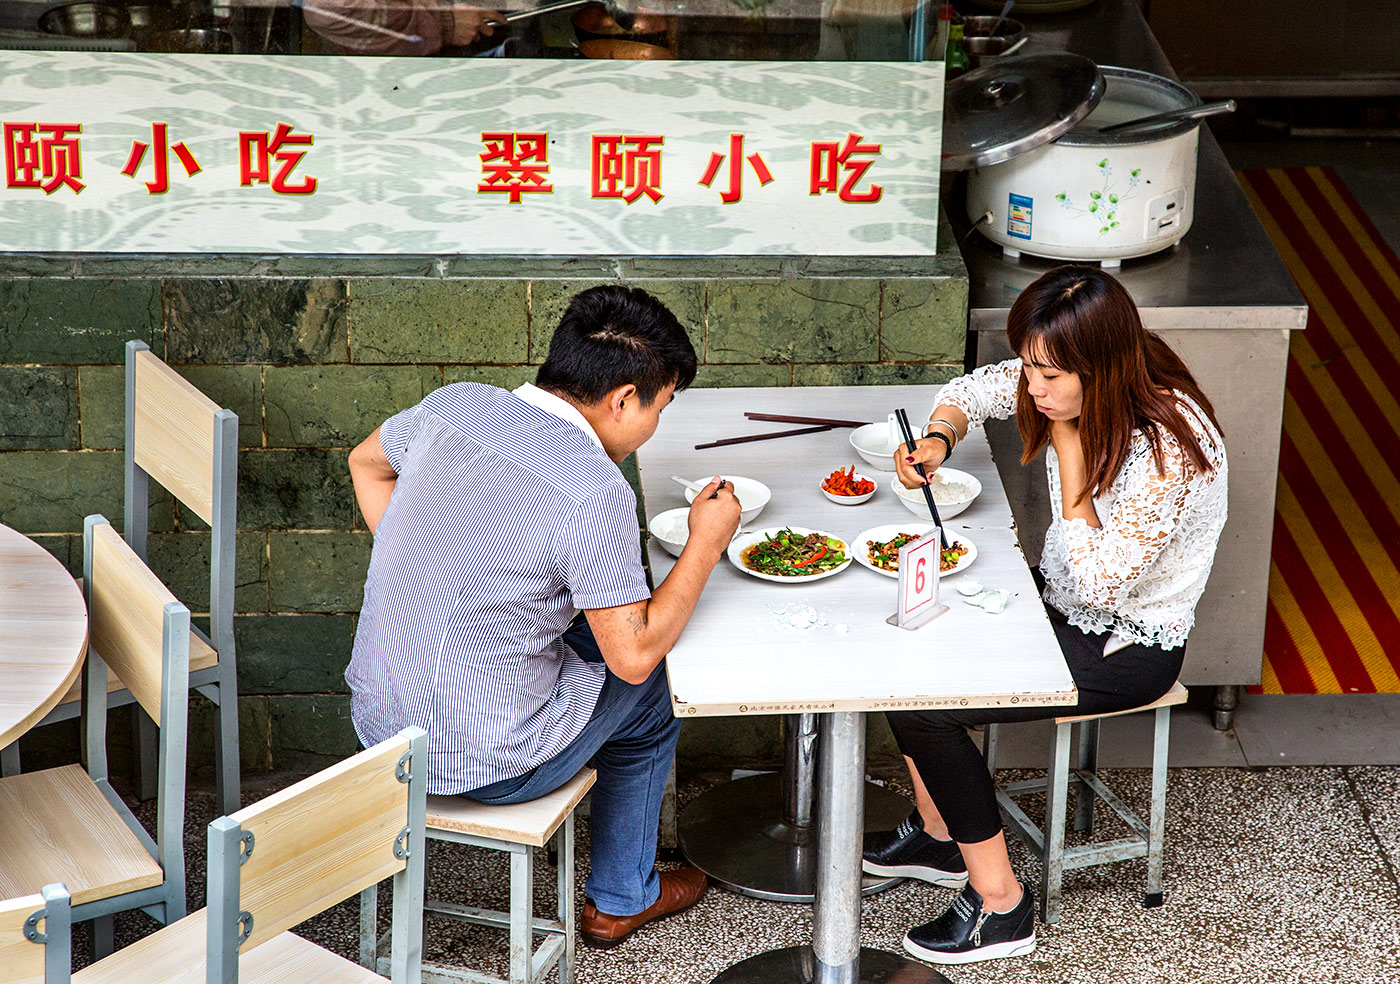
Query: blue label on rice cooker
(1018, 216)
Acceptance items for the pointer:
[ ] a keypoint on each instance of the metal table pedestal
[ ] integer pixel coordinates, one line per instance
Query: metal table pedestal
(835, 956)
(757, 835)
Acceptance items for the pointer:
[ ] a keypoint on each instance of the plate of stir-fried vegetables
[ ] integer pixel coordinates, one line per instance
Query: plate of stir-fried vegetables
(789, 554)
(878, 548)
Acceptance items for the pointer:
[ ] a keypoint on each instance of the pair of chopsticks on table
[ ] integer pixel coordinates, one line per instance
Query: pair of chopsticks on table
(815, 424)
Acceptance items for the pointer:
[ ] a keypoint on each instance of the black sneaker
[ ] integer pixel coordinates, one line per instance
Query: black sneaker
(967, 933)
(908, 852)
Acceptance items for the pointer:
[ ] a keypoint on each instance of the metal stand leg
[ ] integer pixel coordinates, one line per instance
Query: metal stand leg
(147, 737)
(1056, 791)
(565, 841)
(102, 940)
(369, 928)
(835, 956)
(1227, 698)
(1086, 759)
(522, 913)
(836, 911)
(756, 836)
(9, 759)
(1157, 821)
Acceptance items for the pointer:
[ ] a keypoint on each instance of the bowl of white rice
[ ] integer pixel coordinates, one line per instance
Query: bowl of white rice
(953, 491)
(671, 529)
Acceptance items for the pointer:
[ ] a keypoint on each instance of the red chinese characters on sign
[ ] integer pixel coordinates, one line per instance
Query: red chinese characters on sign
(257, 150)
(160, 182)
(43, 155)
(829, 159)
(515, 164)
(627, 167)
(736, 169)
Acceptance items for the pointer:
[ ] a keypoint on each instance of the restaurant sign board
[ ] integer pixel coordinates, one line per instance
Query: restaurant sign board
(156, 153)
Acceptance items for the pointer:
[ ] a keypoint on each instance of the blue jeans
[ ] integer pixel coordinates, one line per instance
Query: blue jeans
(630, 739)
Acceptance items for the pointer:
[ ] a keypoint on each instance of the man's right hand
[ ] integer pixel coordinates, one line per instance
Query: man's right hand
(929, 452)
(714, 518)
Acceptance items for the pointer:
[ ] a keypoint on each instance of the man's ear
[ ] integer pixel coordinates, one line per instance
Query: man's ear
(617, 399)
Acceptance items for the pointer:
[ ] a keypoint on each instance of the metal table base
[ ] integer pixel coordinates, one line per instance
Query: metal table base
(798, 965)
(835, 956)
(758, 835)
(737, 834)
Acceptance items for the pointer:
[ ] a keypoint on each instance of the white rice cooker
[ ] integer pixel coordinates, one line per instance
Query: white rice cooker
(1043, 179)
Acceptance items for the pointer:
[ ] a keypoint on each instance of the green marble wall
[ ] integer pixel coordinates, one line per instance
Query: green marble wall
(312, 364)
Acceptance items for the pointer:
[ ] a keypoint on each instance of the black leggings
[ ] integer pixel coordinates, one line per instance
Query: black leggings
(953, 769)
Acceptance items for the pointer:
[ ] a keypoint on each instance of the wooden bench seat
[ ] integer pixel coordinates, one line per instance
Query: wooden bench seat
(532, 823)
(64, 830)
(1176, 695)
(176, 955)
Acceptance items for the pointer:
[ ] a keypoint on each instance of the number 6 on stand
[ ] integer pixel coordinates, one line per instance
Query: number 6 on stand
(918, 583)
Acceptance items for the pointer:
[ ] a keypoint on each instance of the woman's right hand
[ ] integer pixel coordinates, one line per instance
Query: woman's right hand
(930, 453)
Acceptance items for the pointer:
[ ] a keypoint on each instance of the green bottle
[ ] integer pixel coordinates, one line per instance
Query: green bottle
(955, 61)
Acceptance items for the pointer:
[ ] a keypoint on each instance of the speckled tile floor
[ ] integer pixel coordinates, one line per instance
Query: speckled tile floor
(1272, 875)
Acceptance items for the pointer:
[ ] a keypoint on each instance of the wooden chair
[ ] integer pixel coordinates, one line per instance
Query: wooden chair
(189, 445)
(1082, 733)
(31, 953)
(283, 860)
(70, 824)
(516, 829)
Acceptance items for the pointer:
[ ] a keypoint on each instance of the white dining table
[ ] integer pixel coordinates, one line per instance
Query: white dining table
(824, 647)
(43, 633)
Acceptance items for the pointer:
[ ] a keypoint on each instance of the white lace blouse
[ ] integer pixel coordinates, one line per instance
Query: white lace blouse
(1141, 573)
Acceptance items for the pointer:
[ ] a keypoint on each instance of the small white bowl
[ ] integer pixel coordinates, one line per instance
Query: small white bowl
(851, 500)
(753, 496)
(913, 499)
(873, 443)
(661, 530)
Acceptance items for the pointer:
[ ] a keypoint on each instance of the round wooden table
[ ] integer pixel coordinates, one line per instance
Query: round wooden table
(43, 633)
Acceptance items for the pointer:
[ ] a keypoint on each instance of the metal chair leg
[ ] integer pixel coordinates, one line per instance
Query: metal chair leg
(522, 913)
(989, 747)
(1053, 862)
(147, 738)
(666, 839)
(230, 796)
(1157, 821)
(1086, 760)
(369, 928)
(565, 841)
(102, 940)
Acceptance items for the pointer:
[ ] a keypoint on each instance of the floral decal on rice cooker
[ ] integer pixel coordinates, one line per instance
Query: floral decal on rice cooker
(1103, 202)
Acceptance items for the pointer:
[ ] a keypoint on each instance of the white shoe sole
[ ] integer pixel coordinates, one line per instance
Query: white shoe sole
(944, 879)
(1011, 948)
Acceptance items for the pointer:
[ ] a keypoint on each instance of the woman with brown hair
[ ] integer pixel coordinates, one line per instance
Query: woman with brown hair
(1137, 472)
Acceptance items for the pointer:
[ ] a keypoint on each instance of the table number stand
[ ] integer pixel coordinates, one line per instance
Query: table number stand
(918, 591)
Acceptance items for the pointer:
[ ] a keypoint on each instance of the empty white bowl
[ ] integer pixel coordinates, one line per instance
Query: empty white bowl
(851, 500)
(948, 499)
(753, 496)
(873, 443)
(665, 530)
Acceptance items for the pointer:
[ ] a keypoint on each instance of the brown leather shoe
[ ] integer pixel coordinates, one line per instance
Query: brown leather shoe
(680, 890)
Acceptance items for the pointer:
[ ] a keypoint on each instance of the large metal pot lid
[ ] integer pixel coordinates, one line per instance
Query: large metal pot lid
(1001, 111)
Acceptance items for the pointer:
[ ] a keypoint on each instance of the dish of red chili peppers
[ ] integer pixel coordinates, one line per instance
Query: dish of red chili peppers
(789, 553)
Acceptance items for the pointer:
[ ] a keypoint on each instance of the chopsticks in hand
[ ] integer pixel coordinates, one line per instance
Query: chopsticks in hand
(715, 493)
(928, 493)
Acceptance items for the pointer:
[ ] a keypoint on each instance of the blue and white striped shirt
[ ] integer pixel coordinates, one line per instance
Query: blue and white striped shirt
(504, 521)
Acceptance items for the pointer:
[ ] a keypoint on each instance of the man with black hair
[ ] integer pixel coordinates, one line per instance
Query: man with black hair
(499, 516)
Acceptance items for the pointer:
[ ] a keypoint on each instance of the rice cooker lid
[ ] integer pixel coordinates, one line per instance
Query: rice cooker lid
(1005, 109)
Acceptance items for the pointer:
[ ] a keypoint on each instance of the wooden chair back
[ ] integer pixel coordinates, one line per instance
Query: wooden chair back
(127, 615)
(174, 433)
(36, 951)
(318, 842)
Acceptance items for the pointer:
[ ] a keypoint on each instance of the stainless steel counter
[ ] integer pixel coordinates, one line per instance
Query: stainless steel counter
(1224, 301)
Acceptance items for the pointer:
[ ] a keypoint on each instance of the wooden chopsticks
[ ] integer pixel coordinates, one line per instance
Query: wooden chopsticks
(818, 424)
(783, 418)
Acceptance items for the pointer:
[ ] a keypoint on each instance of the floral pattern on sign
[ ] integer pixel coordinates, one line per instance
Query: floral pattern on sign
(1104, 200)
